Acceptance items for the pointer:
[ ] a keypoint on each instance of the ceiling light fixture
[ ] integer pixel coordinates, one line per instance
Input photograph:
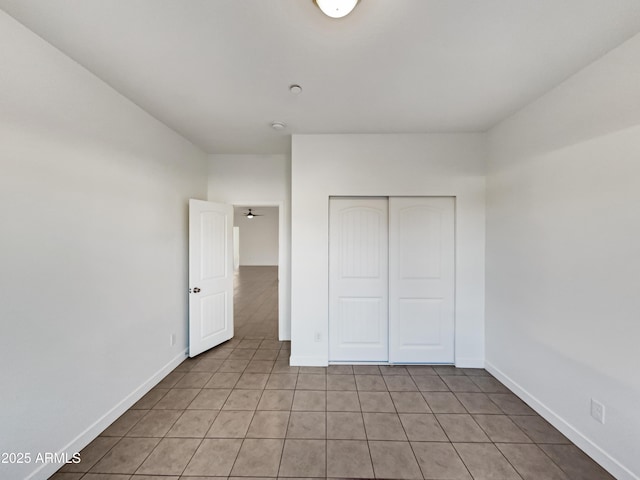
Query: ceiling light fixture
(336, 8)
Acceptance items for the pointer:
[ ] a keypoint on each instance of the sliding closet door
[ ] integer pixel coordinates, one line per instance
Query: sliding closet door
(421, 279)
(358, 279)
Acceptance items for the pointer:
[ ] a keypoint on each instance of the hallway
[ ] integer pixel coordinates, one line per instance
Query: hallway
(255, 302)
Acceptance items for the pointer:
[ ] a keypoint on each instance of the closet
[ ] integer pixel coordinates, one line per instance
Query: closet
(391, 279)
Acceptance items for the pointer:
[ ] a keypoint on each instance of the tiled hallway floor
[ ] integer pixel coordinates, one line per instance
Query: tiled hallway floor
(240, 410)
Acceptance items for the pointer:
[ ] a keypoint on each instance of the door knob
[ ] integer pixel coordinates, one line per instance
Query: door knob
(196, 290)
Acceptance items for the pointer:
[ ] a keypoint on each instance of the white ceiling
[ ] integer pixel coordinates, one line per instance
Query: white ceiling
(218, 71)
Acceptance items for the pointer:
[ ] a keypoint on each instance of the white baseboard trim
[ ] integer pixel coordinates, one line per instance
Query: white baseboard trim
(302, 361)
(607, 462)
(92, 432)
(349, 362)
(469, 362)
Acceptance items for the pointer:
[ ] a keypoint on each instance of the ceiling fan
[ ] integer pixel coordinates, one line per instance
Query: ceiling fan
(250, 214)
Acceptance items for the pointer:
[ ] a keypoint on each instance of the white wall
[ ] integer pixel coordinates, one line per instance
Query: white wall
(93, 209)
(384, 165)
(563, 256)
(258, 181)
(242, 179)
(258, 236)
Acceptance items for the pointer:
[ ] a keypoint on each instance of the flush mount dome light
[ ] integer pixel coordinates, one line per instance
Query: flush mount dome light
(336, 8)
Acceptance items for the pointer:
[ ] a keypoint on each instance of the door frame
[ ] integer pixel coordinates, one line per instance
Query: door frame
(284, 267)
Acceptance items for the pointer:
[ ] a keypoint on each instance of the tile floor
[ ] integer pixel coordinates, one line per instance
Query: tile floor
(256, 302)
(240, 411)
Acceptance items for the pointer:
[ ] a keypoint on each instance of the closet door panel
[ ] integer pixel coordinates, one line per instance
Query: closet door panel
(358, 279)
(421, 279)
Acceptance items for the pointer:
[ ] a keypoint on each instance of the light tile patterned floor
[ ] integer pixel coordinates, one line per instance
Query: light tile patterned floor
(240, 411)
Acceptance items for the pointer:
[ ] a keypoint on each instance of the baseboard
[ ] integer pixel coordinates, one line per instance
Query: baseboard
(302, 361)
(605, 460)
(92, 432)
(469, 362)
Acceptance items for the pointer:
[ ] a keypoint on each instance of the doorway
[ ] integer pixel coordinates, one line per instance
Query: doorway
(391, 279)
(256, 278)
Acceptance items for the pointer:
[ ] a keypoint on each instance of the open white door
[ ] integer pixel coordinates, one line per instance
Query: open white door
(210, 275)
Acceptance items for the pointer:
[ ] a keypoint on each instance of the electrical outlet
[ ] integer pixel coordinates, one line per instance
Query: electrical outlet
(317, 337)
(597, 410)
(172, 339)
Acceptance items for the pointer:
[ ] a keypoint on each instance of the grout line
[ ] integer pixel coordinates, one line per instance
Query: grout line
(238, 452)
(405, 434)
(507, 460)
(102, 456)
(461, 459)
(194, 452)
